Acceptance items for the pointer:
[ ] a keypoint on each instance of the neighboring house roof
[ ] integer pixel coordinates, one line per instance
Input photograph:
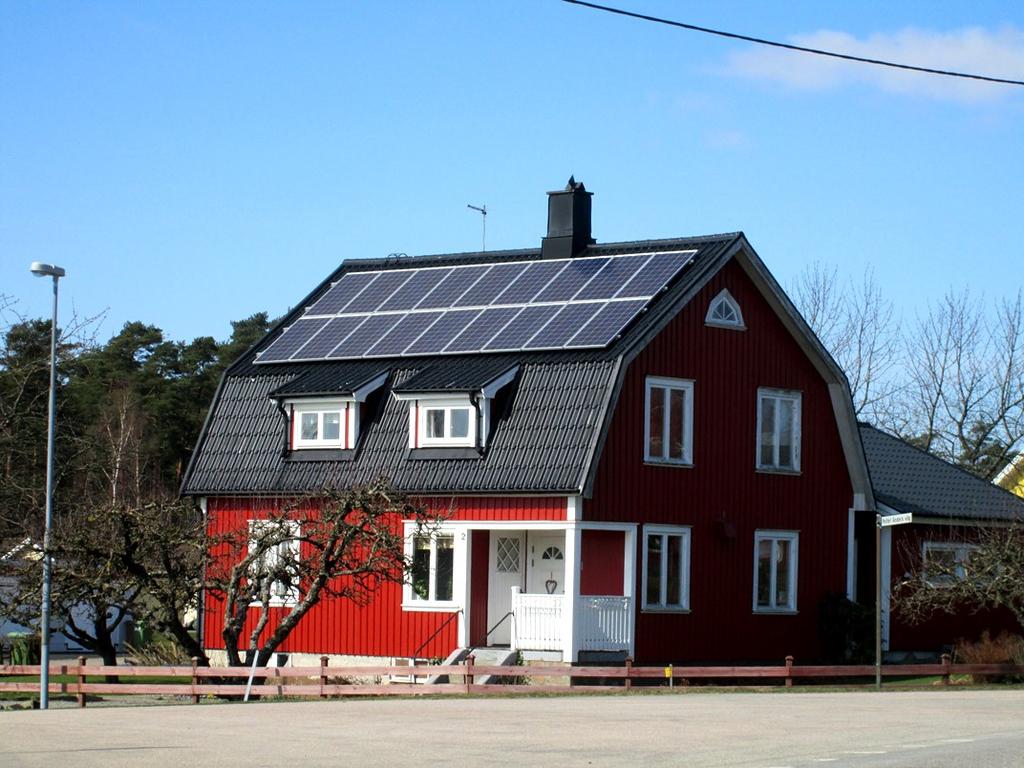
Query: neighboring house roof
(547, 440)
(909, 479)
(1012, 476)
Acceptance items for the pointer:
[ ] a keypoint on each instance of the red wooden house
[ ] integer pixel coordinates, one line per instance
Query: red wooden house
(644, 448)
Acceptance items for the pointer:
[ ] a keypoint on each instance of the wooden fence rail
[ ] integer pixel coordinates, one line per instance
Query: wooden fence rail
(323, 680)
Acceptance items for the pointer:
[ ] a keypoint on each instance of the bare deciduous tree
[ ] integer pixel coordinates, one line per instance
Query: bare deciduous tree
(984, 571)
(857, 324)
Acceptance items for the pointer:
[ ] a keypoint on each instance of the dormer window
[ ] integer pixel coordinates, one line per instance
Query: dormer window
(323, 424)
(724, 312)
(446, 411)
(447, 423)
(322, 414)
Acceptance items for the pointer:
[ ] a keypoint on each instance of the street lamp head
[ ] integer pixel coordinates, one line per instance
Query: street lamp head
(46, 270)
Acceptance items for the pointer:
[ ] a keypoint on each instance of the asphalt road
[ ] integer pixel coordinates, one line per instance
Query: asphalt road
(861, 730)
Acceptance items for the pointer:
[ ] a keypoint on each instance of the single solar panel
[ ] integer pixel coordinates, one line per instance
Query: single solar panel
(607, 323)
(342, 292)
(452, 287)
(525, 324)
(490, 285)
(530, 282)
(575, 276)
(441, 333)
(382, 289)
(404, 333)
(482, 329)
(293, 337)
(563, 326)
(336, 331)
(422, 282)
(655, 275)
(365, 336)
(610, 280)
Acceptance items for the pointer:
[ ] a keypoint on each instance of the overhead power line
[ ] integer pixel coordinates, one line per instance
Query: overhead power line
(789, 47)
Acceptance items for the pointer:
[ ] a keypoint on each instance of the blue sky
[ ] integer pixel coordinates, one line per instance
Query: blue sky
(192, 163)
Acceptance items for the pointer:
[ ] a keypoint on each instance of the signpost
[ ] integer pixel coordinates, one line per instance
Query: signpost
(882, 521)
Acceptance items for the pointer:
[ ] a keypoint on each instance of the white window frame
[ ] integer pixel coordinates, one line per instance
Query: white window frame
(793, 537)
(668, 384)
(447, 405)
(410, 600)
(724, 297)
(347, 411)
(683, 531)
(961, 552)
(290, 548)
(796, 398)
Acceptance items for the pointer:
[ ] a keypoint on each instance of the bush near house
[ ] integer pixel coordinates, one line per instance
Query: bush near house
(1005, 648)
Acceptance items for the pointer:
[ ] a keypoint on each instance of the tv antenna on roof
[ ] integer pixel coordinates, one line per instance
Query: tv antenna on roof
(482, 210)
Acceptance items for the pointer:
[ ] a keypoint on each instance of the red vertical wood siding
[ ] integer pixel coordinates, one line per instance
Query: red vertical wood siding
(601, 562)
(727, 367)
(479, 572)
(380, 627)
(941, 630)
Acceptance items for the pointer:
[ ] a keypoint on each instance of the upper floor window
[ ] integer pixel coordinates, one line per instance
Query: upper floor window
(775, 570)
(778, 430)
(724, 312)
(666, 571)
(668, 421)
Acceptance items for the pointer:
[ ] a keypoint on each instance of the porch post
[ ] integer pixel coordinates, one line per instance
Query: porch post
(573, 549)
(461, 583)
(629, 584)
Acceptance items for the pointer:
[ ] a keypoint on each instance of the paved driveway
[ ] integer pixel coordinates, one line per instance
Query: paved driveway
(941, 728)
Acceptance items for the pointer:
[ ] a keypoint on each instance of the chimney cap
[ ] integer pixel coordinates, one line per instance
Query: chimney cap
(571, 186)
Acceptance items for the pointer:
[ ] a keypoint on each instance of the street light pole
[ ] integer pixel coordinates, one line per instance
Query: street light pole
(48, 270)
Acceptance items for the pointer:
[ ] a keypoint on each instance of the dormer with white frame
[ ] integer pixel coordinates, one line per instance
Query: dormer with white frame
(454, 415)
(322, 420)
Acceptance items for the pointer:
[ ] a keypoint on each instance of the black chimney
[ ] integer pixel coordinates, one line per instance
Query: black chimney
(568, 222)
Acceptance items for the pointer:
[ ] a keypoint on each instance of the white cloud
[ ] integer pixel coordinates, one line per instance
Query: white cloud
(998, 53)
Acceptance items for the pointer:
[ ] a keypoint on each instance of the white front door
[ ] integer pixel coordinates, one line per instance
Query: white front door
(545, 569)
(508, 557)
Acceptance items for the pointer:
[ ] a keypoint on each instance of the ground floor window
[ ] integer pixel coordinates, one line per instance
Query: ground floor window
(946, 561)
(432, 568)
(666, 566)
(775, 569)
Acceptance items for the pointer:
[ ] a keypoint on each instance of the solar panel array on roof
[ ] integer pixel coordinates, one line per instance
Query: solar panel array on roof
(506, 307)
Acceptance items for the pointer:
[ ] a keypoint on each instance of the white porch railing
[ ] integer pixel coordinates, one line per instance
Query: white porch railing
(537, 621)
(604, 623)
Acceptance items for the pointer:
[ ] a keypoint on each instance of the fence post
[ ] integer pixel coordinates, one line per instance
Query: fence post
(789, 671)
(80, 696)
(629, 672)
(195, 680)
(469, 671)
(323, 675)
(946, 659)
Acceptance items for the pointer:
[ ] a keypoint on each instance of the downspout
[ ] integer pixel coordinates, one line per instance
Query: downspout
(286, 448)
(474, 398)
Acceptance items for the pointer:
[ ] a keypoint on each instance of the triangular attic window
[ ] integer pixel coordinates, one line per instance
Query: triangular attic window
(724, 312)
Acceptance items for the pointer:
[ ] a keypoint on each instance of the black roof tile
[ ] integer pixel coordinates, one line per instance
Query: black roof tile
(544, 444)
(909, 479)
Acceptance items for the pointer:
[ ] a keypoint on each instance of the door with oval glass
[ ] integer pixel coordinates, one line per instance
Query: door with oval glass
(545, 572)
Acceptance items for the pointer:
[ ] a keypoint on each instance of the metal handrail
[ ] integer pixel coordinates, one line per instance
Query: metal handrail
(437, 631)
(488, 632)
